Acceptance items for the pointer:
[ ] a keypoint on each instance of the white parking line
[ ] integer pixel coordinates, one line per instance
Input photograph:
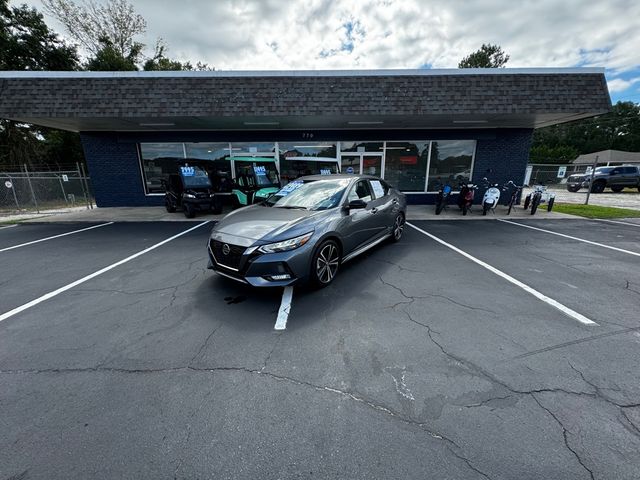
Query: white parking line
(540, 296)
(616, 221)
(9, 226)
(60, 290)
(285, 308)
(55, 236)
(572, 238)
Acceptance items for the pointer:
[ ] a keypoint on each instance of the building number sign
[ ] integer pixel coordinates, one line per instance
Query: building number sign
(307, 135)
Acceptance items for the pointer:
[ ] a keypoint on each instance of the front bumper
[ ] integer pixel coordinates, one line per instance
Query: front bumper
(262, 269)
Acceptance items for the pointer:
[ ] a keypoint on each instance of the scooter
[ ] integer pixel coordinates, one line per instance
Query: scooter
(465, 197)
(491, 198)
(442, 198)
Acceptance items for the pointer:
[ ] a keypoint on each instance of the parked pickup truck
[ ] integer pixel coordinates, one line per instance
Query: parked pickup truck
(616, 178)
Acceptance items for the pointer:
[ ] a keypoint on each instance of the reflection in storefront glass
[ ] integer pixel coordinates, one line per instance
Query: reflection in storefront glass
(159, 160)
(214, 158)
(351, 146)
(450, 163)
(299, 158)
(406, 165)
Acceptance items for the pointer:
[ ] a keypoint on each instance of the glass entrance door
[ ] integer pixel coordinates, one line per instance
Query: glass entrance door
(361, 163)
(350, 164)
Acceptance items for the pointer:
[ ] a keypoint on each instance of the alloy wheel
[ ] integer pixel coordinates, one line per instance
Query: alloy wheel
(398, 227)
(327, 263)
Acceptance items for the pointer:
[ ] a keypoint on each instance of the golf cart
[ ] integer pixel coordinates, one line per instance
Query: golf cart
(256, 179)
(191, 190)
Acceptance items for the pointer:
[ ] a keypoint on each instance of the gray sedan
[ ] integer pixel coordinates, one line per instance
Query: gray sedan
(307, 230)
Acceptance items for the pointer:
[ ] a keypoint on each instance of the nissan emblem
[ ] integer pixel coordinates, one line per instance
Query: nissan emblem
(226, 249)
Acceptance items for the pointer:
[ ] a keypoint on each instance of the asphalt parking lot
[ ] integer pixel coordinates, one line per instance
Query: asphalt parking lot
(493, 350)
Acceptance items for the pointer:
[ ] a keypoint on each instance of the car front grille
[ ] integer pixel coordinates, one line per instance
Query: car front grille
(231, 259)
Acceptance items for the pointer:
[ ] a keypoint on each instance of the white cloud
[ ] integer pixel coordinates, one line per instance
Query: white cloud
(329, 34)
(620, 85)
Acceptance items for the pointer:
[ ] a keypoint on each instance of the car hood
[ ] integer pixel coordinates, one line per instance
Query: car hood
(258, 222)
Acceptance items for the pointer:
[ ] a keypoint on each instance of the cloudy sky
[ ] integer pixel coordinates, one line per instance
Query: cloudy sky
(376, 34)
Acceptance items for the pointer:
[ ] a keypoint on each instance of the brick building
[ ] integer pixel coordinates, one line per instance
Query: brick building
(415, 128)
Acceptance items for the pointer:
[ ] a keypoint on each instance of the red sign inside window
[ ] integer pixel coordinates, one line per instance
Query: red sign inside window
(409, 160)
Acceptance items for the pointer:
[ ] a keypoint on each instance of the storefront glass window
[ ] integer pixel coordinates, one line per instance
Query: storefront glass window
(259, 149)
(451, 162)
(351, 146)
(298, 159)
(214, 158)
(159, 160)
(406, 165)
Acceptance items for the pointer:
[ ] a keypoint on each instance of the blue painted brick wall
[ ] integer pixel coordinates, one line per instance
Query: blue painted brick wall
(115, 172)
(501, 155)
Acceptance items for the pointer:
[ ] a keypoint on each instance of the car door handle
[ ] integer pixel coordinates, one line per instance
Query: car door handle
(374, 210)
(395, 201)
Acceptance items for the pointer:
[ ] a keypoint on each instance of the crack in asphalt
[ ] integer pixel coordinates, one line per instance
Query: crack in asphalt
(449, 444)
(205, 343)
(628, 287)
(486, 401)
(575, 342)
(399, 266)
(413, 298)
(564, 436)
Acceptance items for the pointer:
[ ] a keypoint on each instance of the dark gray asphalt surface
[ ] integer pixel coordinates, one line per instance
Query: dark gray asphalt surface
(415, 363)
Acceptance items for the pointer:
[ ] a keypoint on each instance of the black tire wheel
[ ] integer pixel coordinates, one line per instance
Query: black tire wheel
(573, 189)
(216, 206)
(465, 209)
(325, 263)
(171, 208)
(398, 227)
(617, 188)
(598, 187)
(527, 201)
(235, 203)
(188, 210)
(439, 207)
(550, 204)
(485, 208)
(534, 204)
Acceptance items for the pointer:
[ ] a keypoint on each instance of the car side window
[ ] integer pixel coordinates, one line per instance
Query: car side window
(380, 189)
(616, 171)
(630, 170)
(360, 191)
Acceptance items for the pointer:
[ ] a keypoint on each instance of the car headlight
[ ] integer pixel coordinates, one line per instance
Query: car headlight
(286, 245)
(188, 195)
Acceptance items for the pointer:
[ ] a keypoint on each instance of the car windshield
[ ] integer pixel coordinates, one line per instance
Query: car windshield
(259, 174)
(310, 195)
(604, 169)
(194, 177)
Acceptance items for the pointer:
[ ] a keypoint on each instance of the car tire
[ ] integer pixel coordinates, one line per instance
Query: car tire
(325, 264)
(617, 188)
(598, 187)
(398, 228)
(550, 204)
(527, 201)
(171, 208)
(573, 189)
(188, 210)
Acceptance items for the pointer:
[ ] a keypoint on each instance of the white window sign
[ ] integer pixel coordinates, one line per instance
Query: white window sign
(562, 171)
(377, 188)
(8, 184)
(325, 171)
(65, 178)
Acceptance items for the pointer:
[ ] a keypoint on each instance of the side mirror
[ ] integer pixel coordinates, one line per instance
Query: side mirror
(357, 204)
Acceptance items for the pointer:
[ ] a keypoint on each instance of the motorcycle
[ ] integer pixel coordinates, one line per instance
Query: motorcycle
(465, 197)
(538, 196)
(491, 198)
(442, 198)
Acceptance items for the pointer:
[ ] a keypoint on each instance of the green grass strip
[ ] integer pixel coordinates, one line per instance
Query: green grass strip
(595, 211)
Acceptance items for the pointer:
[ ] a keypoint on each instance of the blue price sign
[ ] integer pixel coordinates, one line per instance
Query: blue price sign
(260, 170)
(289, 187)
(187, 171)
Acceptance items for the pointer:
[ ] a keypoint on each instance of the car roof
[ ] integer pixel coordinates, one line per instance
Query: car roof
(348, 176)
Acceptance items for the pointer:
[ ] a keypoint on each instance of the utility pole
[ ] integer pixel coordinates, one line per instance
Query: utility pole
(593, 173)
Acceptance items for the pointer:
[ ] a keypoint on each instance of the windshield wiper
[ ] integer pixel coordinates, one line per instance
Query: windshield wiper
(291, 207)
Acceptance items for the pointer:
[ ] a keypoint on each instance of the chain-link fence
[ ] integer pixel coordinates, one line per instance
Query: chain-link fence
(552, 174)
(39, 191)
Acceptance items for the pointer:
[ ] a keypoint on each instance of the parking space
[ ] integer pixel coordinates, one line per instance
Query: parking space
(416, 362)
